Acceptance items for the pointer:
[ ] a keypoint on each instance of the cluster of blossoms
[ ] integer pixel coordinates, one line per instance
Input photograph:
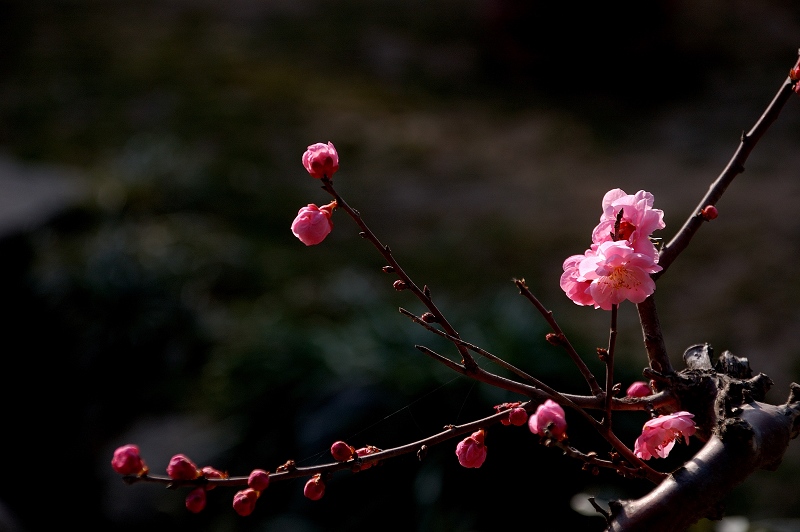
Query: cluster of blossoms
(616, 267)
(244, 502)
(343, 452)
(618, 264)
(128, 461)
(548, 421)
(313, 223)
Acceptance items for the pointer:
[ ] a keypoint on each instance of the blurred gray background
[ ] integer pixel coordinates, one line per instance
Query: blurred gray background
(154, 294)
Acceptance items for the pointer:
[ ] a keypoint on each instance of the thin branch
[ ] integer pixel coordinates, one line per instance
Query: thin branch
(651, 328)
(506, 384)
(560, 337)
(289, 470)
(510, 367)
(608, 359)
(422, 294)
(735, 167)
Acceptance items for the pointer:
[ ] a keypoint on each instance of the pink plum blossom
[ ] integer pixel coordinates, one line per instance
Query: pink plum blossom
(576, 287)
(639, 220)
(471, 451)
(547, 413)
(638, 389)
(618, 273)
(321, 160)
(128, 461)
(618, 264)
(659, 434)
(313, 223)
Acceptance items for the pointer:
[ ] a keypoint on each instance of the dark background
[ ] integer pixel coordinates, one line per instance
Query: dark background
(153, 293)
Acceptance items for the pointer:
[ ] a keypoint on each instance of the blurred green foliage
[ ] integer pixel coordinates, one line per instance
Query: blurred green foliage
(175, 295)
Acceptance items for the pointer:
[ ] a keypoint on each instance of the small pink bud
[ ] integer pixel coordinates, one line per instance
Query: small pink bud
(181, 468)
(321, 160)
(518, 416)
(244, 502)
(794, 73)
(314, 488)
(549, 416)
(709, 212)
(210, 472)
(312, 224)
(428, 317)
(638, 389)
(196, 500)
(127, 461)
(341, 451)
(399, 285)
(258, 479)
(507, 406)
(471, 451)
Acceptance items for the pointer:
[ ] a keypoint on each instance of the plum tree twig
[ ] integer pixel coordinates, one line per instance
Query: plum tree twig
(740, 431)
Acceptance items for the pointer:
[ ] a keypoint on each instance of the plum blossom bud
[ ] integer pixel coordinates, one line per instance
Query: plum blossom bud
(312, 224)
(127, 461)
(314, 488)
(196, 500)
(321, 160)
(342, 452)
(518, 416)
(471, 451)
(512, 408)
(181, 468)
(364, 451)
(210, 472)
(258, 479)
(794, 73)
(399, 285)
(709, 212)
(659, 435)
(244, 502)
(549, 416)
(429, 317)
(638, 389)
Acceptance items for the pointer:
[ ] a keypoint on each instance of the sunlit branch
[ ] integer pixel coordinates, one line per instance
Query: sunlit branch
(735, 167)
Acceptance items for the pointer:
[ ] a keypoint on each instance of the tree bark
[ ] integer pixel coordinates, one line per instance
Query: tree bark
(752, 436)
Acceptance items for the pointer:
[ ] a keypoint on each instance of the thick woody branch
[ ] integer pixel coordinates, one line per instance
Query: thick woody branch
(651, 328)
(755, 438)
(653, 337)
